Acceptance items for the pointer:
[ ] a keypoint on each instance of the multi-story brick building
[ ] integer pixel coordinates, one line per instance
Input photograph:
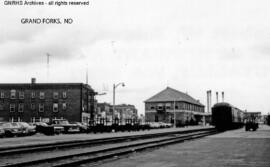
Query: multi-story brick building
(32, 102)
(162, 107)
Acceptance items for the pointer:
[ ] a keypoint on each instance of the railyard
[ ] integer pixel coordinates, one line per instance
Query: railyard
(231, 148)
(41, 150)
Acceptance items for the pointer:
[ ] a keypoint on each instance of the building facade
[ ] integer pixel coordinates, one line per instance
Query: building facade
(42, 102)
(122, 111)
(126, 111)
(171, 104)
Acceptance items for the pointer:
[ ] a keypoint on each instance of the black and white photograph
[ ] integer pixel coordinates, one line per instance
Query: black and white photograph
(134, 83)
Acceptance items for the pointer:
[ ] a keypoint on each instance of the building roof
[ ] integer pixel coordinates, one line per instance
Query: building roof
(170, 94)
(43, 85)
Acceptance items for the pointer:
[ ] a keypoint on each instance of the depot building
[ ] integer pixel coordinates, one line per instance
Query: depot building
(162, 107)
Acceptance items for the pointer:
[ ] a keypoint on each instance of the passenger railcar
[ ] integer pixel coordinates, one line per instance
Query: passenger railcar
(226, 116)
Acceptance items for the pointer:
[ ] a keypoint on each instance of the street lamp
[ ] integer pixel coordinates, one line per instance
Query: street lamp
(114, 87)
(174, 122)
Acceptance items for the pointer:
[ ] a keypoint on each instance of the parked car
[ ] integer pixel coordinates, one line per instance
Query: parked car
(68, 127)
(82, 126)
(154, 125)
(2, 131)
(12, 129)
(46, 129)
(27, 129)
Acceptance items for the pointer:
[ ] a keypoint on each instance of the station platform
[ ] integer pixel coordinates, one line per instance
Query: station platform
(235, 148)
(42, 139)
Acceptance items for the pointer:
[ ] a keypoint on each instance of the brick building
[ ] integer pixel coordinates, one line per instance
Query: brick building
(34, 102)
(162, 106)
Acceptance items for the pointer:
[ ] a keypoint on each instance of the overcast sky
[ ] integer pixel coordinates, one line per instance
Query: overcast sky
(189, 45)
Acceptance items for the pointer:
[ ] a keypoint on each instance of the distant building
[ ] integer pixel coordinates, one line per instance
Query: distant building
(161, 107)
(34, 102)
(122, 111)
(126, 111)
(104, 110)
(256, 115)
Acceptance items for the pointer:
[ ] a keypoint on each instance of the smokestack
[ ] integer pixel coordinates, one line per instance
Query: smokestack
(217, 96)
(209, 105)
(222, 93)
(210, 101)
(207, 99)
(33, 80)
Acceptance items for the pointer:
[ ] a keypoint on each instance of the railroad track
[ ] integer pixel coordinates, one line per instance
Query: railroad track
(102, 153)
(11, 150)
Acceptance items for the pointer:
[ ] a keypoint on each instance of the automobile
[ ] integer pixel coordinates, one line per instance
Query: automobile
(46, 129)
(68, 127)
(2, 132)
(12, 129)
(27, 129)
(251, 125)
(82, 126)
(154, 125)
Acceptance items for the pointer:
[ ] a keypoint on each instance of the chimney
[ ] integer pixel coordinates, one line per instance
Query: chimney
(222, 96)
(210, 101)
(209, 105)
(207, 99)
(217, 96)
(33, 80)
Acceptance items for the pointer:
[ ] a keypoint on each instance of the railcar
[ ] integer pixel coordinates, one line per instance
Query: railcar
(226, 117)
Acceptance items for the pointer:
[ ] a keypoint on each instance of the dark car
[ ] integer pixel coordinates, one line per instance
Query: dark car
(46, 129)
(12, 129)
(251, 125)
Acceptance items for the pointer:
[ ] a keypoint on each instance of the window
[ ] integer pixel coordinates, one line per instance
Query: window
(64, 95)
(55, 95)
(21, 95)
(176, 107)
(41, 107)
(1, 107)
(160, 107)
(41, 95)
(12, 107)
(33, 106)
(20, 108)
(2, 95)
(168, 106)
(33, 95)
(55, 107)
(13, 94)
(152, 107)
(64, 106)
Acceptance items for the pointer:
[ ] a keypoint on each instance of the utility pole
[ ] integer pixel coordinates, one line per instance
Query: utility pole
(87, 74)
(48, 65)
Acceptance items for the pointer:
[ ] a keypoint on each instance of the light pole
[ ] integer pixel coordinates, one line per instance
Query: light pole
(174, 122)
(114, 87)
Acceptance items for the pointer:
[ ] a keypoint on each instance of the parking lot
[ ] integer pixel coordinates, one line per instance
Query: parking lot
(231, 148)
